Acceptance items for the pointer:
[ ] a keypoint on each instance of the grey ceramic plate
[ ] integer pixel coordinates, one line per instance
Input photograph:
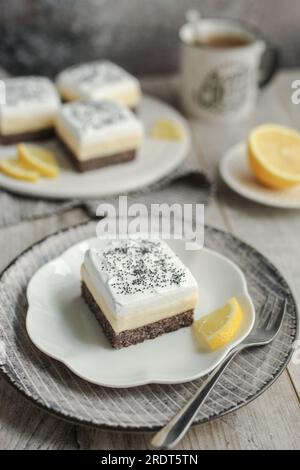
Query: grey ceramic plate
(53, 387)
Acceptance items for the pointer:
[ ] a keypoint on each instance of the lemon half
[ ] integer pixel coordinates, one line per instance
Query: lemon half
(218, 328)
(274, 155)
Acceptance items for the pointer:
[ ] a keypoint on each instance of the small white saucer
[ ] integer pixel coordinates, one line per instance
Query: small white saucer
(237, 175)
(61, 325)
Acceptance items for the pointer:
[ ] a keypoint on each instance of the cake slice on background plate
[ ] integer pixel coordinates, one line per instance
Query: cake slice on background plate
(29, 111)
(97, 134)
(97, 81)
(138, 289)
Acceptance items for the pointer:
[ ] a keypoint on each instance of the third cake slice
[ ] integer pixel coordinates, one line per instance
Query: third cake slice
(138, 289)
(97, 81)
(29, 110)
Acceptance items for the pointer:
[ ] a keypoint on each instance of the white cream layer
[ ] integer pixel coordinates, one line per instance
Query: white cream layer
(31, 104)
(141, 316)
(97, 81)
(128, 311)
(86, 139)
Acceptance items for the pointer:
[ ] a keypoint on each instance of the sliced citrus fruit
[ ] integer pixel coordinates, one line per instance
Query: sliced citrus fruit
(274, 155)
(39, 159)
(218, 328)
(16, 169)
(166, 129)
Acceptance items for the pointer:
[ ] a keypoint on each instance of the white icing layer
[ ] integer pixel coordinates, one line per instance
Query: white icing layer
(142, 317)
(94, 129)
(97, 81)
(139, 279)
(31, 105)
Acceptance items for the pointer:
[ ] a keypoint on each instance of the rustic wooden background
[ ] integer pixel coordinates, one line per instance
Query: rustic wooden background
(46, 35)
(272, 421)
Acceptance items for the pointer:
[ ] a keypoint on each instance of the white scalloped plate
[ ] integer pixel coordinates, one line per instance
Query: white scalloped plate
(61, 325)
(155, 159)
(236, 173)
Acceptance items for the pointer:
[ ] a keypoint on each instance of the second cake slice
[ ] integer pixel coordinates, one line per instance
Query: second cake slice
(97, 134)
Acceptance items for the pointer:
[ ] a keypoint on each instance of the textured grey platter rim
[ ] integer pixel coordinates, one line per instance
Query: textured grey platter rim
(128, 428)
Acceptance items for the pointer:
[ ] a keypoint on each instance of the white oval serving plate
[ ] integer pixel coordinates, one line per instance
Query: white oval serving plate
(236, 173)
(155, 159)
(61, 325)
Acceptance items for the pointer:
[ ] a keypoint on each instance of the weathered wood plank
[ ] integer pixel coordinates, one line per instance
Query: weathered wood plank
(293, 112)
(24, 427)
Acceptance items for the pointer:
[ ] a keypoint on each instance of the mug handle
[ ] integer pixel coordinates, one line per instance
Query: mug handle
(271, 59)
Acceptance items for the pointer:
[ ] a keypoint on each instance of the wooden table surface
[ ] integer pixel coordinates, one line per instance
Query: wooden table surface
(270, 422)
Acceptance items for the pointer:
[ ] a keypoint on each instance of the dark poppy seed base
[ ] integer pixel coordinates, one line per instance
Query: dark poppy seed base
(97, 162)
(137, 335)
(12, 139)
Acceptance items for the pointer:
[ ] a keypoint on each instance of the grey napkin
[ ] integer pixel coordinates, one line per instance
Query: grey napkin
(15, 209)
(184, 185)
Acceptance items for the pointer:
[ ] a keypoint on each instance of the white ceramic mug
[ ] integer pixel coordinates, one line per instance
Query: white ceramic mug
(221, 83)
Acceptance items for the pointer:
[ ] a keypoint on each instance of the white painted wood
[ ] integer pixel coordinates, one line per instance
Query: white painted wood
(23, 426)
(270, 422)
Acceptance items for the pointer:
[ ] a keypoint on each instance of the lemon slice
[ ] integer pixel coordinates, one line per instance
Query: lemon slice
(16, 169)
(166, 129)
(39, 159)
(274, 155)
(218, 328)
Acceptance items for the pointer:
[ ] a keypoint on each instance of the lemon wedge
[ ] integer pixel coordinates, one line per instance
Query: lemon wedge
(218, 328)
(39, 159)
(166, 129)
(16, 169)
(274, 155)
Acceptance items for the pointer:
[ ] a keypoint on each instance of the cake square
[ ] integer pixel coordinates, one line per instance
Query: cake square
(98, 133)
(99, 80)
(138, 289)
(31, 105)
